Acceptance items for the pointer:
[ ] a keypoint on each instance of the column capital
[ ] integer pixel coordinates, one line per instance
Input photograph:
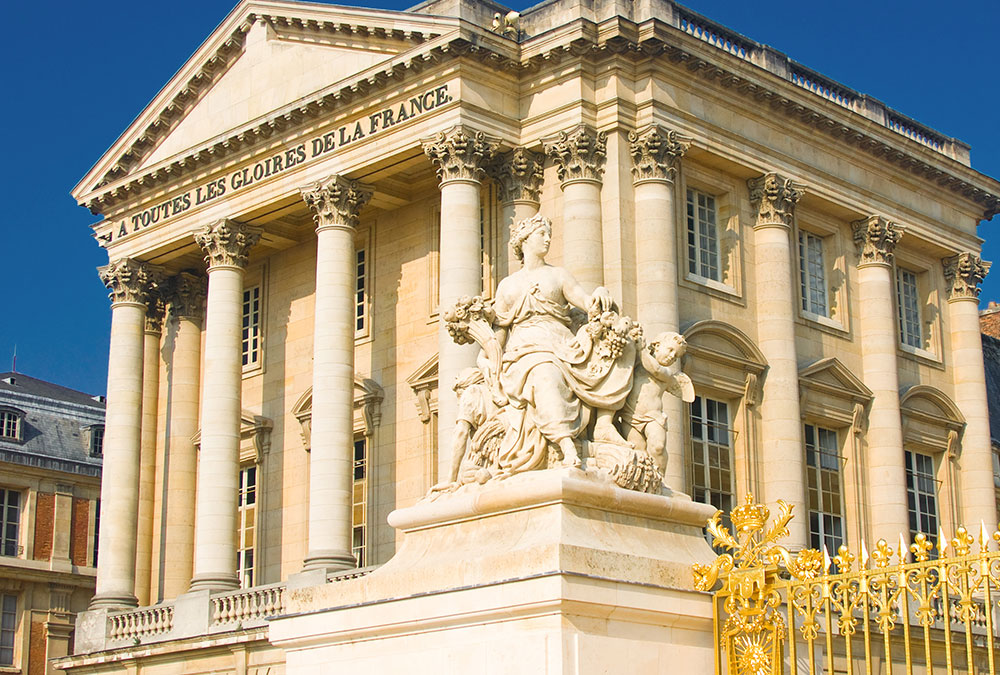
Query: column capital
(187, 294)
(130, 281)
(655, 153)
(519, 173)
(460, 153)
(963, 273)
(876, 238)
(774, 198)
(579, 154)
(336, 201)
(155, 308)
(227, 243)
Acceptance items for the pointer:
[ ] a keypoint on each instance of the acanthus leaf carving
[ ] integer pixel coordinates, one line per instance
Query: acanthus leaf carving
(963, 273)
(155, 307)
(461, 153)
(227, 243)
(130, 281)
(876, 239)
(655, 153)
(336, 201)
(188, 293)
(774, 198)
(519, 173)
(579, 154)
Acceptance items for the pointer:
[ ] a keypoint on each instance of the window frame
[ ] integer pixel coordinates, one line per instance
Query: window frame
(360, 525)
(242, 509)
(256, 277)
(704, 441)
(835, 267)
(730, 201)
(818, 535)
(19, 417)
(929, 305)
(6, 600)
(364, 244)
(20, 507)
(911, 500)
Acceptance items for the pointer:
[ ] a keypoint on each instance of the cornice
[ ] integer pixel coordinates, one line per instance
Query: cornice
(751, 70)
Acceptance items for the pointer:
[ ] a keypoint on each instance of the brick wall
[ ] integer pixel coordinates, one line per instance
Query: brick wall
(79, 541)
(44, 518)
(37, 649)
(989, 321)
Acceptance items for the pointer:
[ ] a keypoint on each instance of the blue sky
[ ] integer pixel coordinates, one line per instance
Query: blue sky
(76, 74)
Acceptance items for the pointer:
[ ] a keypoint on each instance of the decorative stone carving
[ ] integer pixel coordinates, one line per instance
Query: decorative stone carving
(579, 154)
(187, 294)
(876, 239)
(130, 280)
(655, 153)
(507, 25)
(155, 307)
(227, 243)
(461, 153)
(774, 198)
(519, 173)
(964, 272)
(336, 201)
(561, 372)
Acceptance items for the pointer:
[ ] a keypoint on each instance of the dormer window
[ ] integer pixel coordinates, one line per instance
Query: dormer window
(11, 424)
(97, 440)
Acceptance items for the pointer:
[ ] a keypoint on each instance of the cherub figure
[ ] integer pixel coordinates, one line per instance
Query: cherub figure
(643, 421)
(475, 407)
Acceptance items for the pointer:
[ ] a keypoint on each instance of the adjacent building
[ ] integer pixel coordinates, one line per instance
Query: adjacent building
(286, 219)
(51, 444)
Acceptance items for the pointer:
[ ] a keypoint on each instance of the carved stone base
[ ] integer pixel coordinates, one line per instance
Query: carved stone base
(556, 571)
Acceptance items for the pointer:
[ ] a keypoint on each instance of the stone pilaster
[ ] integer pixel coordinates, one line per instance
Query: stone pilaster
(519, 175)
(147, 456)
(782, 453)
(186, 294)
(580, 155)
(964, 272)
(336, 203)
(461, 156)
(130, 283)
(876, 239)
(655, 153)
(227, 245)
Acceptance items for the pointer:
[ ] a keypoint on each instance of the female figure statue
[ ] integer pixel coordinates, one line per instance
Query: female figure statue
(555, 379)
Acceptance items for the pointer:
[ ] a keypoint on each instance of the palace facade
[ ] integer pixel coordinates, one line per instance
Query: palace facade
(286, 218)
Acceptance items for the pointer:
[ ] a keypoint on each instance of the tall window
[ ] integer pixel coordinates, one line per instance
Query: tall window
(812, 274)
(702, 235)
(826, 507)
(246, 536)
(8, 628)
(360, 544)
(251, 327)
(10, 519)
(10, 425)
(921, 494)
(360, 291)
(908, 306)
(712, 453)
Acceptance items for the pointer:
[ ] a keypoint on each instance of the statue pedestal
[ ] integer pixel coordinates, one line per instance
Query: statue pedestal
(551, 571)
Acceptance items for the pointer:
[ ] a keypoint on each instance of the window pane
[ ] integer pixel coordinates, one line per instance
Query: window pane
(703, 237)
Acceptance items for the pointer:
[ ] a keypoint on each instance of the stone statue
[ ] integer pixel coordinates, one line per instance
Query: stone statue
(657, 370)
(558, 365)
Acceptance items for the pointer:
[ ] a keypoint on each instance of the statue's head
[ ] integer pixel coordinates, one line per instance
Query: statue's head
(523, 229)
(667, 347)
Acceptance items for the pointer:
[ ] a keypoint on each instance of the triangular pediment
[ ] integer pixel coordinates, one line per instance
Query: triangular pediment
(831, 373)
(265, 56)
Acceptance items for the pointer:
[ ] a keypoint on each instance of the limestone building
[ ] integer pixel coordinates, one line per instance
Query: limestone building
(50, 485)
(316, 182)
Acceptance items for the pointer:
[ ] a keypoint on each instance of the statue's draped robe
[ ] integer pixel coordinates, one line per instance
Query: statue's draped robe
(553, 378)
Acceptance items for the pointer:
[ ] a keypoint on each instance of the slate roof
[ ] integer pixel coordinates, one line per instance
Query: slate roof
(55, 428)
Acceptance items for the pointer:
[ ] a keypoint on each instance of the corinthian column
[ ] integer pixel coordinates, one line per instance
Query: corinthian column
(876, 240)
(336, 202)
(964, 272)
(782, 452)
(187, 309)
(130, 283)
(227, 245)
(461, 156)
(519, 175)
(579, 156)
(147, 453)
